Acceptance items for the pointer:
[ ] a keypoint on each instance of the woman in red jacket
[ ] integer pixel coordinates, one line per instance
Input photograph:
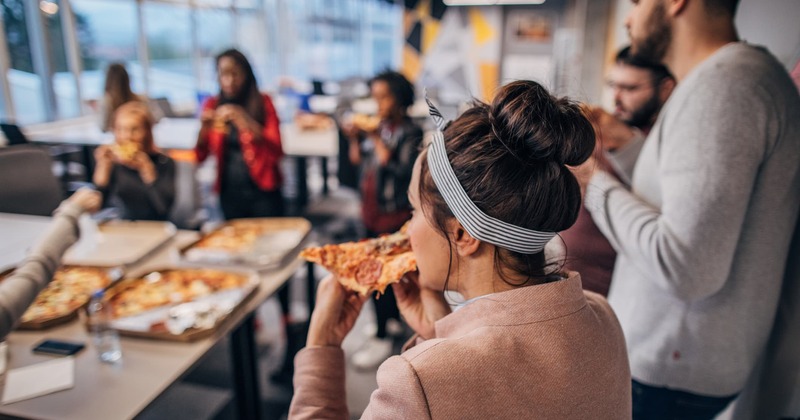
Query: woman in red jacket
(241, 128)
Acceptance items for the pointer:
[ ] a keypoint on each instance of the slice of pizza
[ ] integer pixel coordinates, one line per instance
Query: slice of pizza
(367, 265)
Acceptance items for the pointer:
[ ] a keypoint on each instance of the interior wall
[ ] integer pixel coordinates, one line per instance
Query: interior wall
(774, 24)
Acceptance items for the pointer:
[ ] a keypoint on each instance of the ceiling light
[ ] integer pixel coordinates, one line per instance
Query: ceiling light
(48, 7)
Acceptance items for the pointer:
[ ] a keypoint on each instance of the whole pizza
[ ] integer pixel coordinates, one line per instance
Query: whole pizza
(70, 289)
(367, 265)
(160, 288)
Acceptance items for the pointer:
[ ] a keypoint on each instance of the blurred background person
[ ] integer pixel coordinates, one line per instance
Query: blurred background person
(240, 128)
(640, 89)
(385, 147)
(117, 91)
(131, 173)
(19, 289)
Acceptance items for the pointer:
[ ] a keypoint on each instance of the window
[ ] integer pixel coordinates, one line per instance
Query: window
(254, 42)
(169, 44)
(215, 34)
(107, 33)
(26, 86)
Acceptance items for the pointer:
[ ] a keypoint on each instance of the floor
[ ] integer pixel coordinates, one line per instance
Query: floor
(206, 392)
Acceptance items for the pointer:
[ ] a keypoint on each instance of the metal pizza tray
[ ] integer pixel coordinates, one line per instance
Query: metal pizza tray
(280, 240)
(152, 323)
(119, 243)
(114, 275)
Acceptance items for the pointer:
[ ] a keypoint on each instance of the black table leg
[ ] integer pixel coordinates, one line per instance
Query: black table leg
(302, 182)
(245, 370)
(311, 287)
(88, 161)
(324, 164)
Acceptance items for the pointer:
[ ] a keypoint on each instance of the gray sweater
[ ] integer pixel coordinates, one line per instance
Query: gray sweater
(19, 290)
(702, 237)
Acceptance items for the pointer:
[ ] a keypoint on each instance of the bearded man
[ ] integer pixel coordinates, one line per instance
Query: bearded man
(703, 233)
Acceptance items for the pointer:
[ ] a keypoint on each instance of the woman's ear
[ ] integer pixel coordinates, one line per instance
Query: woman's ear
(465, 243)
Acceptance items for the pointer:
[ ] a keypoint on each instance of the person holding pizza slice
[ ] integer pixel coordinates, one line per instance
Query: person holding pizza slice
(131, 173)
(526, 341)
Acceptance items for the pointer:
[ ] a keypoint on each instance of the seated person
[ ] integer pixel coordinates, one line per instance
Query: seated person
(131, 173)
(19, 290)
(527, 342)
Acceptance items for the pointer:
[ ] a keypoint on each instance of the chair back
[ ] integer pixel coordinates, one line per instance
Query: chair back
(187, 211)
(27, 183)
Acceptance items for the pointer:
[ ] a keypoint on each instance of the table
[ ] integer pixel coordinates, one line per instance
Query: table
(168, 133)
(148, 367)
(19, 232)
(303, 144)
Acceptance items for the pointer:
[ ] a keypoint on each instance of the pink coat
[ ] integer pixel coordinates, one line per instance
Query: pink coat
(550, 351)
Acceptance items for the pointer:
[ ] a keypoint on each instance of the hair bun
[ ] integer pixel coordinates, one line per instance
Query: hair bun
(537, 127)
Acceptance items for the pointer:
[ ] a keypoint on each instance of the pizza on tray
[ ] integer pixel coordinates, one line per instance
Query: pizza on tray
(70, 289)
(161, 288)
(367, 265)
(236, 236)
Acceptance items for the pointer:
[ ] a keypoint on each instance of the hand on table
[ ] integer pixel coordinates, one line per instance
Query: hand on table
(421, 307)
(334, 315)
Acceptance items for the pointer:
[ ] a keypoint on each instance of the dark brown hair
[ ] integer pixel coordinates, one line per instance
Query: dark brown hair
(401, 88)
(140, 111)
(511, 158)
(249, 97)
(117, 89)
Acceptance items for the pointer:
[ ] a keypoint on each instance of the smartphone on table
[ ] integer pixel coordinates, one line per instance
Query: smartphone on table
(58, 347)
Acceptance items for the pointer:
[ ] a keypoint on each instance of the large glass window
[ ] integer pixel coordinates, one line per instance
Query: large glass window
(26, 86)
(107, 33)
(254, 42)
(169, 43)
(215, 33)
(304, 40)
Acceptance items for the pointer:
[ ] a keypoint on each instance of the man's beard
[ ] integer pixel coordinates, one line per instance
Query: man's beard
(654, 45)
(642, 118)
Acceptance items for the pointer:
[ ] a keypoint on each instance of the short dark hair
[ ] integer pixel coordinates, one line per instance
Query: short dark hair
(401, 88)
(659, 72)
(727, 7)
(512, 158)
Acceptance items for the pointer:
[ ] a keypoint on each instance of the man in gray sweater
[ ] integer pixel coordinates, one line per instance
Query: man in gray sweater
(703, 233)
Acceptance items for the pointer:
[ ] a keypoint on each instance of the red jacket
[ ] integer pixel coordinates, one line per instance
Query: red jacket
(263, 156)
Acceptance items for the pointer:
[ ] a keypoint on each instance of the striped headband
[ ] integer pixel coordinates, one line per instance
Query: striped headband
(480, 225)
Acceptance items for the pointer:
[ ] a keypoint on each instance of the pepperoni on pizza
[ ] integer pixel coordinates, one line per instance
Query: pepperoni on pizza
(367, 265)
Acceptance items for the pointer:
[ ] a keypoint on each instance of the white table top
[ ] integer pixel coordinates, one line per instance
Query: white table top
(148, 367)
(297, 142)
(181, 133)
(18, 233)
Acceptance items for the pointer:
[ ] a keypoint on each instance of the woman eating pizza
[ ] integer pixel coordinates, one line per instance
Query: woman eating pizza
(525, 341)
(131, 173)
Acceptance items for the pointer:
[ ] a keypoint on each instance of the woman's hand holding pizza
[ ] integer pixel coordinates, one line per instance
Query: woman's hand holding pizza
(142, 163)
(334, 315)
(421, 307)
